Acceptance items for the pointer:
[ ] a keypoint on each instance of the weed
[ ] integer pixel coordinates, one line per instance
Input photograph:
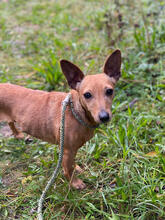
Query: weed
(50, 70)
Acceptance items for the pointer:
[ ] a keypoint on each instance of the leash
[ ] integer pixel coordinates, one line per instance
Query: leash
(54, 175)
(65, 103)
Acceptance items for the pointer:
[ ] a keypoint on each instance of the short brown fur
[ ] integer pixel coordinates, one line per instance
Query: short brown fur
(38, 113)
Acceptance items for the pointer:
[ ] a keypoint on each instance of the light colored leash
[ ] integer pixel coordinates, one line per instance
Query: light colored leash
(66, 102)
(54, 175)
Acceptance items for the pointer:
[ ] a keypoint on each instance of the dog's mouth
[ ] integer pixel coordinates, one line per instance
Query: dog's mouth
(104, 121)
(102, 117)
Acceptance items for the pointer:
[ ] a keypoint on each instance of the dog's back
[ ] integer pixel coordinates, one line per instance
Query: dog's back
(34, 111)
(8, 104)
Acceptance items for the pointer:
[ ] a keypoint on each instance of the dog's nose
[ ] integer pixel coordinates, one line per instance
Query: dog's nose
(104, 116)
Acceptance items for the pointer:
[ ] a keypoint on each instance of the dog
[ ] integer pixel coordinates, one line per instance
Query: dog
(38, 113)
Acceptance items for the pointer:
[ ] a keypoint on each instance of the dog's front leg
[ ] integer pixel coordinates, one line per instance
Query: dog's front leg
(16, 132)
(69, 166)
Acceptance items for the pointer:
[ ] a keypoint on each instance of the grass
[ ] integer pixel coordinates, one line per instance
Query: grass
(124, 164)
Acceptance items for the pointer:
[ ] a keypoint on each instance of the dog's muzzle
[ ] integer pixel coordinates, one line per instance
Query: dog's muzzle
(104, 116)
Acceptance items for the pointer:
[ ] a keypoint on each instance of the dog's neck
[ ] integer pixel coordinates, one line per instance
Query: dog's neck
(79, 108)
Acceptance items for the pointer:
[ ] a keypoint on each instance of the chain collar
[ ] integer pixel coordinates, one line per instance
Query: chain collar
(77, 116)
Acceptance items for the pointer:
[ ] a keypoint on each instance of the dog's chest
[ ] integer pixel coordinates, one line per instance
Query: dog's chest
(76, 135)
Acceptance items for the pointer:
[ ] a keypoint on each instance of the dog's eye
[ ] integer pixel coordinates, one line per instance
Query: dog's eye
(87, 95)
(109, 92)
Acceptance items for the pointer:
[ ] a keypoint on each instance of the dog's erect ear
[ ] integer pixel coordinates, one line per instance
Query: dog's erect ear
(72, 73)
(113, 64)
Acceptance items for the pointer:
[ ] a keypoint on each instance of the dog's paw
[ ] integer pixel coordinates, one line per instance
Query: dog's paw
(78, 184)
(19, 135)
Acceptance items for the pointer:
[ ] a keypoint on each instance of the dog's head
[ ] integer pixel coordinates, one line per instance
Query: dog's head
(95, 91)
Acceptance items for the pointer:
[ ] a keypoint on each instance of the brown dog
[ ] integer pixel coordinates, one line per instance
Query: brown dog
(38, 113)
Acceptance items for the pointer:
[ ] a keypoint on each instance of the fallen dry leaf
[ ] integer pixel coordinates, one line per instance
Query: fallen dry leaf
(151, 154)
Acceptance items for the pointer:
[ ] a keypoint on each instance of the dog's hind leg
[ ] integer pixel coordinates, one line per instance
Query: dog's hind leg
(16, 132)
